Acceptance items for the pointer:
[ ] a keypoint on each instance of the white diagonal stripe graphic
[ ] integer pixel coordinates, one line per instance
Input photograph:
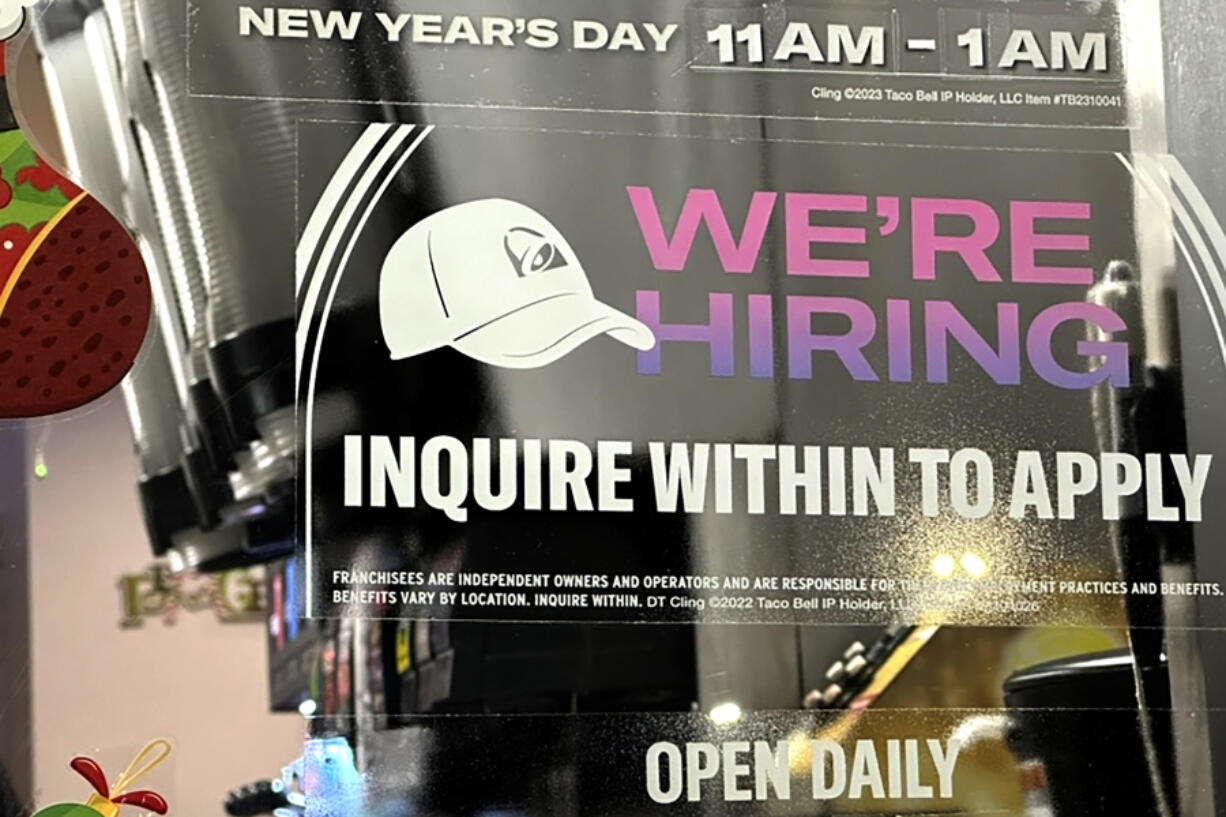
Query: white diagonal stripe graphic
(387, 176)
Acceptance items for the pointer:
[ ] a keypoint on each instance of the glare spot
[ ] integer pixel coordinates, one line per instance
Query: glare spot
(725, 714)
(943, 566)
(973, 564)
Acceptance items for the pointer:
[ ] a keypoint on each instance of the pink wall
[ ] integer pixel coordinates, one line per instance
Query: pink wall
(97, 687)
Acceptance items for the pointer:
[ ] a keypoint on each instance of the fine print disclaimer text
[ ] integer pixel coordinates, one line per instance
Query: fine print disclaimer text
(958, 583)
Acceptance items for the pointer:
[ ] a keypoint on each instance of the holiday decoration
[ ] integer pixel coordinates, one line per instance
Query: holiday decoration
(75, 297)
(107, 799)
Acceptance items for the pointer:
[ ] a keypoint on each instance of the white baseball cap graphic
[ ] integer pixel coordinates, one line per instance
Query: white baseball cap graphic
(496, 281)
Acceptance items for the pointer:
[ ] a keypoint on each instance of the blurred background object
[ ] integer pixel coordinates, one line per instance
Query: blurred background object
(398, 707)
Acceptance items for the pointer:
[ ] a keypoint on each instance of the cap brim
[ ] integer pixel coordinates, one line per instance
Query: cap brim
(544, 331)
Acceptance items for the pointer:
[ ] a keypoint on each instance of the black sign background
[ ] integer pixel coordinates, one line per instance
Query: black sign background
(578, 181)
